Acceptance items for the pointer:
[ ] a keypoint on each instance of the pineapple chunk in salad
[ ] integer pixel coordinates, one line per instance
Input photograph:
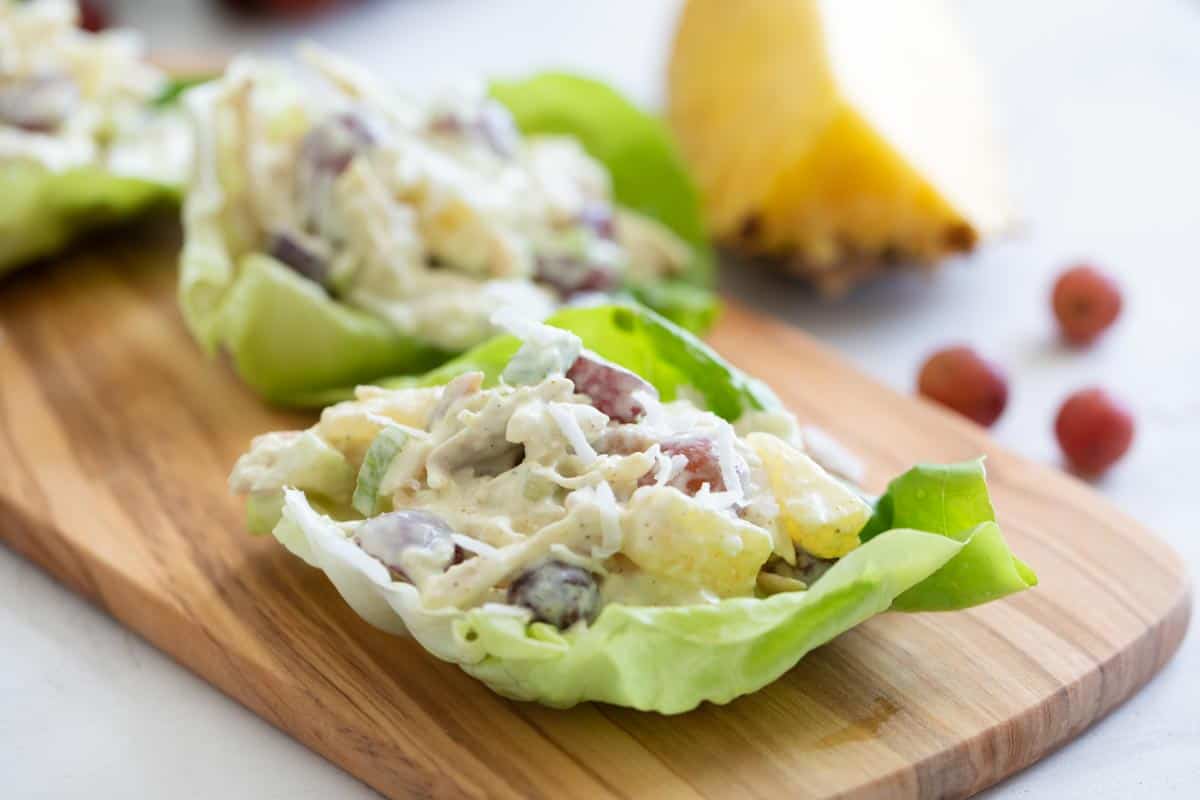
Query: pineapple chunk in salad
(817, 512)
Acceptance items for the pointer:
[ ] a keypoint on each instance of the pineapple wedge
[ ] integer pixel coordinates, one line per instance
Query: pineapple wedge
(817, 511)
(669, 536)
(836, 136)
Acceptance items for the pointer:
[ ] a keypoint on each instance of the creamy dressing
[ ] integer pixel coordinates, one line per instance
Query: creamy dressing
(429, 216)
(70, 98)
(522, 486)
(497, 468)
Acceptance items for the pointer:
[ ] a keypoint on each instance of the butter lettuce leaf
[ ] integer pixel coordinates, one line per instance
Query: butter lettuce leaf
(932, 544)
(666, 355)
(952, 500)
(177, 85)
(285, 336)
(691, 307)
(43, 211)
(666, 659)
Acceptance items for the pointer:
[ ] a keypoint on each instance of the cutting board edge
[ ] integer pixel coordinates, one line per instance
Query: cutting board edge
(1169, 631)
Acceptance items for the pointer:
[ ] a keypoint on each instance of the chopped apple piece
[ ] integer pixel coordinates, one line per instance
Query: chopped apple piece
(838, 136)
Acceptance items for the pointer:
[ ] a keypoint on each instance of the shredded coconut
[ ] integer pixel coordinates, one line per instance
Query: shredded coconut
(727, 459)
(654, 417)
(571, 429)
(381, 420)
(565, 554)
(717, 501)
(668, 467)
(601, 497)
(473, 545)
(662, 464)
(610, 521)
(505, 610)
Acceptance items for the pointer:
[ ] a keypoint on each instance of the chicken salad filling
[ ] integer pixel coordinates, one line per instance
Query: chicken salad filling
(622, 516)
(428, 216)
(70, 98)
(565, 487)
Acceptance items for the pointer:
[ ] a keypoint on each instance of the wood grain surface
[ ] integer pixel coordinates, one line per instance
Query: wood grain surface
(116, 435)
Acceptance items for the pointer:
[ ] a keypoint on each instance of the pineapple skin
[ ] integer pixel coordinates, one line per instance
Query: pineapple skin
(792, 174)
(849, 209)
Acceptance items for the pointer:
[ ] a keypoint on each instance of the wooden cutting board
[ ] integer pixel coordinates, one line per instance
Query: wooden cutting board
(115, 439)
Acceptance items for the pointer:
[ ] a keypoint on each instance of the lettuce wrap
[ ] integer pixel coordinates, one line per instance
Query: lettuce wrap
(88, 135)
(337, 232)
(605, 510)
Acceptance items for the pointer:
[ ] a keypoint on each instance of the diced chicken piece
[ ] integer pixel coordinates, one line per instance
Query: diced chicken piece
(623, 440)
(464, 385)
(478, 440)
(544, 429)
(300, 459)
(352, 426)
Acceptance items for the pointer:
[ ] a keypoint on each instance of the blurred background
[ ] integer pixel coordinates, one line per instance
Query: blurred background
(1098, 106)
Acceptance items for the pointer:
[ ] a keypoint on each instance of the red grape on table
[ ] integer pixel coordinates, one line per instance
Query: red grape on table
(1086, 303)
(964, 381)
(1094, 430)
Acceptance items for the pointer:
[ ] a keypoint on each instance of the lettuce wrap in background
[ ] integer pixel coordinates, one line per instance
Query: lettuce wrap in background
(86, 137)
(336, 232)
(648, 173)
(603, 509)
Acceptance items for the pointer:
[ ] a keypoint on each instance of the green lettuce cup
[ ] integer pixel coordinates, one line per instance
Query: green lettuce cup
(602, 509)
(397, 228)
(89, 133)
(44, 211)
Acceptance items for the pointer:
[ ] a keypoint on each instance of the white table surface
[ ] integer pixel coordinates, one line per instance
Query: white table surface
(1099, 101)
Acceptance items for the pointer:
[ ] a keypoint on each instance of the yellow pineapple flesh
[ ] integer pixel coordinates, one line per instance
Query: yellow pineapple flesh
(669, 536)
(816, 511)
(838, 135)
